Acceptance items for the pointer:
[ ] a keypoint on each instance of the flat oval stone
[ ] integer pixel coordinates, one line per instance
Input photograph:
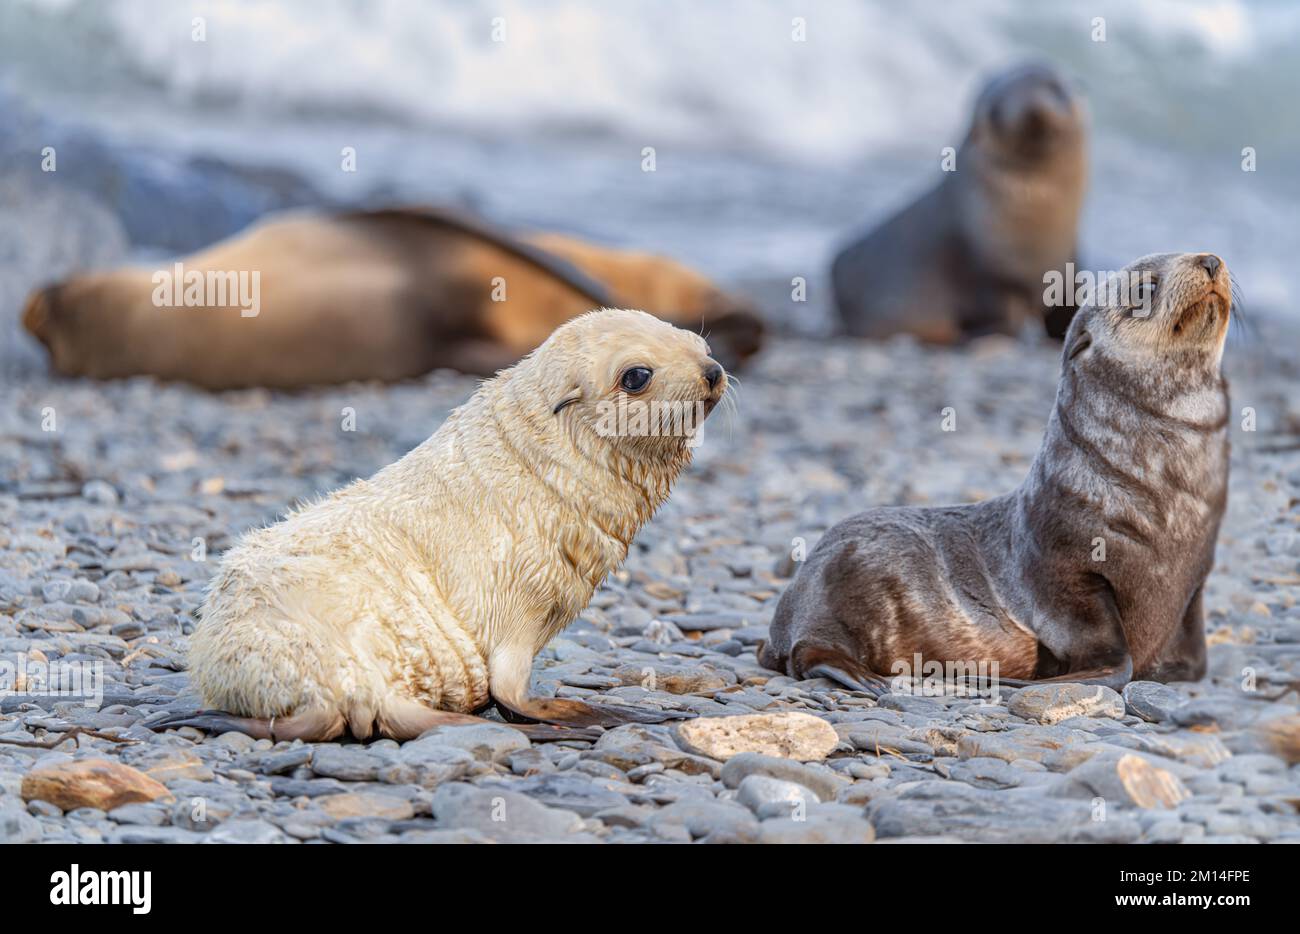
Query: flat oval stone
(789, 734)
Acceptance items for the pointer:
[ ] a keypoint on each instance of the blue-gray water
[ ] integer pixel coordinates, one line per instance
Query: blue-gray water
(768, 150)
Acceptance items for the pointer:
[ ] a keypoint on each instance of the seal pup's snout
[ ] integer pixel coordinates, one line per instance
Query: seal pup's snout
(1200, 290)
(1038, 114)
(1031, 104)
(715, 377)
(1217, 295)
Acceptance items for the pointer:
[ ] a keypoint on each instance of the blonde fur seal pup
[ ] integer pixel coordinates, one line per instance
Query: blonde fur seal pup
(363, 295)
(412, 598)
(1092, 569)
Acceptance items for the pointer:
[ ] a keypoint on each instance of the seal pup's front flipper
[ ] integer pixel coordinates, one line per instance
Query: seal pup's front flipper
(310, 726)
(1112, 676)
(510, 670)
(819, 660)
(404, 719)
(871, 685)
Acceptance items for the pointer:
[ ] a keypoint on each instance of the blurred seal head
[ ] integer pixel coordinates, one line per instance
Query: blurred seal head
(969, 256)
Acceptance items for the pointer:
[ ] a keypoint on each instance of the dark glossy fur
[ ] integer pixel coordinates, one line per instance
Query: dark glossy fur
(1135, 456)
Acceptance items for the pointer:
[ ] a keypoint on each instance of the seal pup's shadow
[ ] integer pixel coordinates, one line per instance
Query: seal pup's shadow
(291, 728)
(308, 728)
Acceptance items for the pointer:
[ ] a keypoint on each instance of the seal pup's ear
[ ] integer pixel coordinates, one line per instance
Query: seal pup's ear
(571, 397)
(1082, 341)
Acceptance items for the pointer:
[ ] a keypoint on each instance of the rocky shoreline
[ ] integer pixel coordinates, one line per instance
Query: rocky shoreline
(112, 522)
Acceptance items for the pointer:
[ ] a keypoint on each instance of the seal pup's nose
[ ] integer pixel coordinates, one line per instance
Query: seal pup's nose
(712, 373)
(1211, 263)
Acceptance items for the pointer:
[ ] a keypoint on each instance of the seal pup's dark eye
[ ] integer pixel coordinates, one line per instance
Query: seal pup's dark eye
(1144, 294)
(636, 378)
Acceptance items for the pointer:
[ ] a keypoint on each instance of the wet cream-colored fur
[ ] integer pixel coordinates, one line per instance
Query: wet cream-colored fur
(437, 581)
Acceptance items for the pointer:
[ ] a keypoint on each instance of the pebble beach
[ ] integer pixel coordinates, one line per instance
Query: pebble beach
(117, 500)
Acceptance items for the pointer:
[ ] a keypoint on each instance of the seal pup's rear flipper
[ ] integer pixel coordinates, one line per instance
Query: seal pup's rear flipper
(510, 675)
(310, 726)
(403, 719)
(576, 713)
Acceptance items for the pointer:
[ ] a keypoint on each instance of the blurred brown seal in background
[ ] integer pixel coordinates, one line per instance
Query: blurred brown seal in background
(364, 295)
(969, 256)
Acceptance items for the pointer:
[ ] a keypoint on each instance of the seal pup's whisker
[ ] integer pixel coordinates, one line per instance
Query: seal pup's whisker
(731, 409)
(727, 404)
(1237, 310)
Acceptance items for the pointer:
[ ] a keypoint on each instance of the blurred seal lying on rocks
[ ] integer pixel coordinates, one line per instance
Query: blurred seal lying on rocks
(364, 295)
(969, 256)
(408, 600)
(1092, 569)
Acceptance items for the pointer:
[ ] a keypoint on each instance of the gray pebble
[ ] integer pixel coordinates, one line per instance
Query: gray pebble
(145, 834)
(823, 783)
(348, 763)
(499, 814)
(1220, 712)
(487, 743)
(143, 815)
(772, 797)
(935, 808)
(1152, 701)
(710, 821)
(38, 808)
(581, 795)
(246, 831)
(97, 491)
(17, 826)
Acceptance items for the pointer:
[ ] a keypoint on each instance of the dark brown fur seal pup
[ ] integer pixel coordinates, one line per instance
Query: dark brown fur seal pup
(1135, 455)
(363, 295)
(969, 256)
